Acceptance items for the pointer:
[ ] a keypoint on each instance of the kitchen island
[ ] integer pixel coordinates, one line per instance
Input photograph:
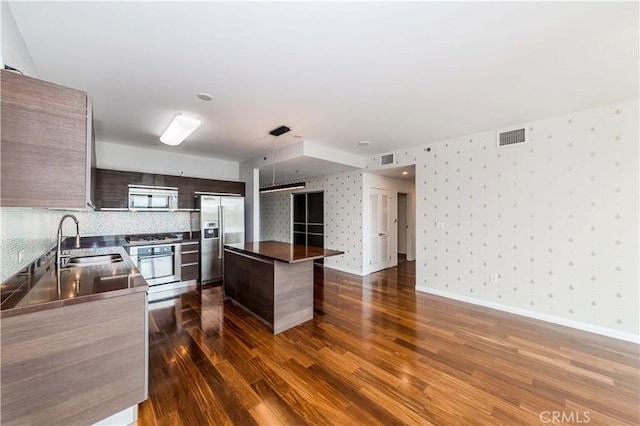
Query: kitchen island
(74, 340)
(273, 280)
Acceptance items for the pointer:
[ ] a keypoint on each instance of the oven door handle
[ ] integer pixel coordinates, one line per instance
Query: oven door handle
(156, 256)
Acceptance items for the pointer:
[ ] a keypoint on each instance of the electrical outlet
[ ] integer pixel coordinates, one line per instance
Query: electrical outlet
(494, 278)
(20, 256)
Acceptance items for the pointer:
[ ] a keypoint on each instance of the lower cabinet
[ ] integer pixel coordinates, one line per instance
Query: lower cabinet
(76, 364)
(190, 261)
(250, 282)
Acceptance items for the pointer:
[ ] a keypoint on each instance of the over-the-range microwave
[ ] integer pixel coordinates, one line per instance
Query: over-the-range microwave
(153, 198)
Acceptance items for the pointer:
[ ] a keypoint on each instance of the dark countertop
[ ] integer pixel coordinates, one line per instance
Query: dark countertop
(284, 252)
(39, 287)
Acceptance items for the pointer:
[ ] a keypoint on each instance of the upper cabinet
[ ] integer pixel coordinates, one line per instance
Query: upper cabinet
(112, 187)
(186, 198)
(210, 186)
(46, 151)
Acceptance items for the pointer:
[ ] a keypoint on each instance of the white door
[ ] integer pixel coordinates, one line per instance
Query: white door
(381, 234)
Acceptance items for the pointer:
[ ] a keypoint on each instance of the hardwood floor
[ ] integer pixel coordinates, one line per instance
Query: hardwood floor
(377, 352)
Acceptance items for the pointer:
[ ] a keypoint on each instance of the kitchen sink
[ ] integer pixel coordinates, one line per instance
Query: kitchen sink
(98, 259)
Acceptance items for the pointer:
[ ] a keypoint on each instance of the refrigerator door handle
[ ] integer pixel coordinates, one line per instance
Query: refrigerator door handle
(221, 234)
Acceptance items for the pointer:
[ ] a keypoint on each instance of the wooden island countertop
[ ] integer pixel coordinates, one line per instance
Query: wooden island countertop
(284, 252)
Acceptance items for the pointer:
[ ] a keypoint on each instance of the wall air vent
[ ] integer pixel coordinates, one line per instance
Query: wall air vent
(511, 137)
(386, 159)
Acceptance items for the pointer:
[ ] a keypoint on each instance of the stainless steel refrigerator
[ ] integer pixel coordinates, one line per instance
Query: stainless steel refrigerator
(221, 222)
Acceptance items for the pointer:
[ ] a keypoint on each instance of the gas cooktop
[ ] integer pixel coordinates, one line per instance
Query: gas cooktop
(152, 238)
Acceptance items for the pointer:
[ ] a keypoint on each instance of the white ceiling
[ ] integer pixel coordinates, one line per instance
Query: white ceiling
(399, 173)
(397, 74)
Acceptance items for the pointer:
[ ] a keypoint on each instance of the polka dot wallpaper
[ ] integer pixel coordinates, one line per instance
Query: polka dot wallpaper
(549, 225)
(342, 217)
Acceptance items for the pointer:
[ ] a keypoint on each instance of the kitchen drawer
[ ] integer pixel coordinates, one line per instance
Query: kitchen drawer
(190, 272)
(190, 258)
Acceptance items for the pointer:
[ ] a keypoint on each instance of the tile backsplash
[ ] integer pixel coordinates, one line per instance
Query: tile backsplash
(33, 231)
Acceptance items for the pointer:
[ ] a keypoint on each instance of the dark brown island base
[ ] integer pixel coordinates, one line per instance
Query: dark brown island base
(273, 280)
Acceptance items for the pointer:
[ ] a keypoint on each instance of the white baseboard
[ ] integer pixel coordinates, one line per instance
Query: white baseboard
(604, 331)
(343, 269)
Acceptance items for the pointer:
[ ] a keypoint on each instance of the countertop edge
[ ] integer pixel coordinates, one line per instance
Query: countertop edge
(22, 310)
(280, 259)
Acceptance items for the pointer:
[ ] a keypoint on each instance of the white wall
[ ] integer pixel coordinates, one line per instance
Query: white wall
(130, 158)
(555, 218)
(14, 51)
(250, 176)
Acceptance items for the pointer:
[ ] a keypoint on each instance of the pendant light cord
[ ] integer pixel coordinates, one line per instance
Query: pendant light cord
(273, 162)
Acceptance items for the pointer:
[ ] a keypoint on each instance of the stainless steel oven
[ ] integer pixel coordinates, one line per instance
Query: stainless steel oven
(158, 264)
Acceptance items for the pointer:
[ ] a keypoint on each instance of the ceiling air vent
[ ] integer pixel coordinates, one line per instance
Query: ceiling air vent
(386, 159)
(511, 137)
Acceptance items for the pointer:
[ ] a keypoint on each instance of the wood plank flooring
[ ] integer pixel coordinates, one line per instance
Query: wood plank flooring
(377, 352)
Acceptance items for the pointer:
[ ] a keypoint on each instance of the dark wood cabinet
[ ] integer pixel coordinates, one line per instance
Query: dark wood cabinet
(46, 144)
(190, 256)
(186, 196)
(166, 181)
(261, 289)
(231, 276)
(218, 186)
(112, 187)
(250, 282)
(146, 179)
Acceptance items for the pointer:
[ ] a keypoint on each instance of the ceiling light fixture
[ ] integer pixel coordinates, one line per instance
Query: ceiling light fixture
(405, 173)
(282, 187)
(364, 143)
(205, 96)
(179, 129)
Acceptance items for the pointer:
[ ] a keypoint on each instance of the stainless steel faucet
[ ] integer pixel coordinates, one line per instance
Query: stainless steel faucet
(59, 255)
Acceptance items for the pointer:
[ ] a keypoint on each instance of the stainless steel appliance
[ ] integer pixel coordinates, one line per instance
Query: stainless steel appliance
(152, 238)
(153, 198)
(221, 222)
(158, 264)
